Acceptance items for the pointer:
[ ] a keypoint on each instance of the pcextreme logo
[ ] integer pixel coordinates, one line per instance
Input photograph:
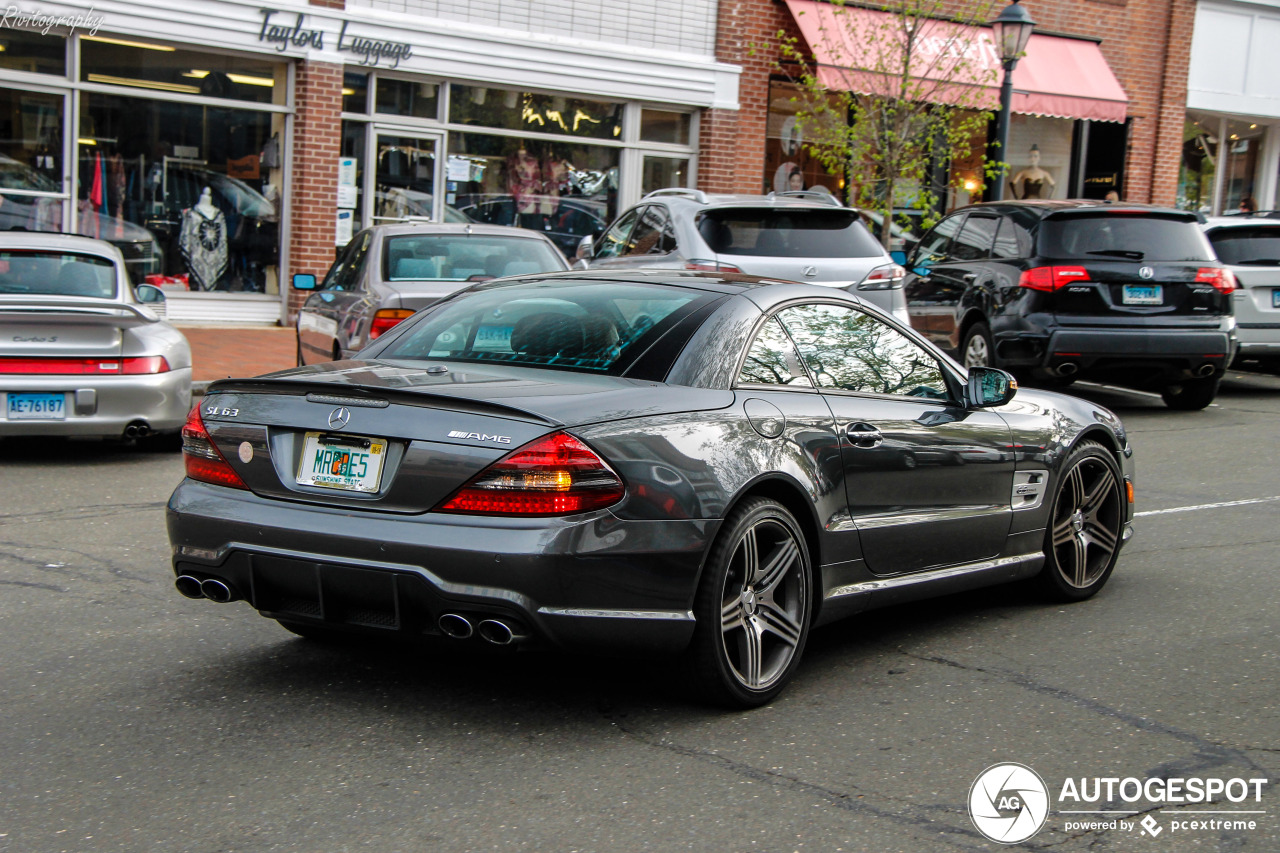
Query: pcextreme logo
(1010, 802)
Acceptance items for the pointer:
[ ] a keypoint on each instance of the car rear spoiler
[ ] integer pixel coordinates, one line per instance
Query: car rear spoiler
(22, 308)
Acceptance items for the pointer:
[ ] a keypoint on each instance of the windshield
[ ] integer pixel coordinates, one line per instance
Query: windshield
(597, 327)
(788, 233)
(1123, 236)
(458, 257)
(57, 274)
(1259, 246)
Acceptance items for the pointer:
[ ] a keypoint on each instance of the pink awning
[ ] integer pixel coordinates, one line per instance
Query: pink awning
(1059, 77)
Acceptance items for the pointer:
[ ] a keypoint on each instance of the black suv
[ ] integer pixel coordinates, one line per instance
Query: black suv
(1059, 290)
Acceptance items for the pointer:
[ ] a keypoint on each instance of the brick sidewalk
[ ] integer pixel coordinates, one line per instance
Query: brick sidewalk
(219, 352)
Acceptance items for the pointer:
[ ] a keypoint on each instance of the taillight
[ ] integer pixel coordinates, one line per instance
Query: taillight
(887, 277)
(385, 318)
(84, 366)
(553, 475)
(1221, 279)
(709, 266)
(203, 461)
(1052, 278)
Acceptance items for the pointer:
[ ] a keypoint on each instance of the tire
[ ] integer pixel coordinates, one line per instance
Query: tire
(978, 349)
(1086, 523)
(1191, 395)
(753, 607)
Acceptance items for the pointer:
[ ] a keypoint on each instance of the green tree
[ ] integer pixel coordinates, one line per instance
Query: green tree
(900, 86)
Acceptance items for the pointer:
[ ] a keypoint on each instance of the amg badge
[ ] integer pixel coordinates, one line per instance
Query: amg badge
(479, 436)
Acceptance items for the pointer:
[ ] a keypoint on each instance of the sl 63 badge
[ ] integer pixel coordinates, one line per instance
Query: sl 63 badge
(221, 413)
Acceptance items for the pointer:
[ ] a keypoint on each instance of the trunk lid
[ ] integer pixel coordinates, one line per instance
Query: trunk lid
(66, 328)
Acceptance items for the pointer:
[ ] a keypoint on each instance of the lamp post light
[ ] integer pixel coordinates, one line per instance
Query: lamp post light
(1012, 30)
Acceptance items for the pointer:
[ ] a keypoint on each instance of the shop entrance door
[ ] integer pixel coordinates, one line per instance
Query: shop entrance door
(405, 176)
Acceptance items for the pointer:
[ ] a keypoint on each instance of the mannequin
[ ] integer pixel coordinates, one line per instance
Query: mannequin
(524, 180)
(1031, 181)
(203, 241)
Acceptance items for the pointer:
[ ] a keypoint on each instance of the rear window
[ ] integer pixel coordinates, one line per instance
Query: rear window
(596, 327)
(1123, 236)
(57, 274)
(1247, 246)
(458, 257)
(788, 233)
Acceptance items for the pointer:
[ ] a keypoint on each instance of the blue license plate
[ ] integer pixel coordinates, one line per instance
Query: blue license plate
(48, 407)
(1143, 294)
(1275, 298)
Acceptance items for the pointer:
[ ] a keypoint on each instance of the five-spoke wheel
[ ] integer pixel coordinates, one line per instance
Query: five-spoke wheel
(753, 608)
(1086, 523)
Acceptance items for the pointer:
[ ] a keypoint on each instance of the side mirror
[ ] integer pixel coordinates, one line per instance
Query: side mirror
(989, 387)
(586, 247)
(148, 293)
(304, 281)
(899, 257)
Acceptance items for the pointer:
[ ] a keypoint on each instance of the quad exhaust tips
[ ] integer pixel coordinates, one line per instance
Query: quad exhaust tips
(497, 632)
(494, 631)
(453, 625)
(210, 588)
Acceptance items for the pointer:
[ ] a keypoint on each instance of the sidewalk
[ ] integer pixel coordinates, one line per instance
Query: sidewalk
(221, 351)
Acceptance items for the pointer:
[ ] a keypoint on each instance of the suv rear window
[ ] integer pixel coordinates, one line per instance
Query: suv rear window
(1126, 236)
(788, 233)
(1247, 246)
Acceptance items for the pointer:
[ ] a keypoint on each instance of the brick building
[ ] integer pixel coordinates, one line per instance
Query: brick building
(1144, 44)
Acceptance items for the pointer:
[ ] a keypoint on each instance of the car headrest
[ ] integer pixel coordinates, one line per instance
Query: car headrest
(548, 334)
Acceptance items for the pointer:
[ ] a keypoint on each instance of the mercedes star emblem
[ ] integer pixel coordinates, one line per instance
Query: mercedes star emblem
(338, 417)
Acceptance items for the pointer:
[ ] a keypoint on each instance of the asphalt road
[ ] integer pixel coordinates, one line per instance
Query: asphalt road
(136, 720)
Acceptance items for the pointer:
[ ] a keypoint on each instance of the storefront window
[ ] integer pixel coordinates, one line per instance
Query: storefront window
(148, 65)
(355, 92)
(564, 189)
(1244, 151)
(403, 98)
(788, 165)
(30, 161)
(32, 52)
(662, 126)
(405, 178)
(1199, 159)
(663, 172)
(535, 113)
(188, 192)
(353, 147)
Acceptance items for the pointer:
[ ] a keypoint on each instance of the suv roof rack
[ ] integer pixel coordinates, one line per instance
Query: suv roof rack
(697, 195)
(809, 195)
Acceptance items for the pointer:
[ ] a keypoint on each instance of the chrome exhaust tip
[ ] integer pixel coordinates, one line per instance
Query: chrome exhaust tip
(1205, 370)
(453, 625)
(137, 429)
(498, 633)
(216, 590)
(189, 586)
(1067, 368)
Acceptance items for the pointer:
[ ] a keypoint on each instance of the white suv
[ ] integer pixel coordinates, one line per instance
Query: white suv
(803, 236)
(1250, 247)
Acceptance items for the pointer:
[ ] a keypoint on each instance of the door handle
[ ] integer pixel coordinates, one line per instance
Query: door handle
(863, 434)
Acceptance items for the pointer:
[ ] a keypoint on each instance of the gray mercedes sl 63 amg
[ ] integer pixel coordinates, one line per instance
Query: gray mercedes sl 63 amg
(703, 465)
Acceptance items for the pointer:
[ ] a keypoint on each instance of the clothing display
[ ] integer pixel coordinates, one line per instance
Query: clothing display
(524, 181)
(203, 241)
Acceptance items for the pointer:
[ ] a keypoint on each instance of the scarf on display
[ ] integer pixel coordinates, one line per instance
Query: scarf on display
(203, 241)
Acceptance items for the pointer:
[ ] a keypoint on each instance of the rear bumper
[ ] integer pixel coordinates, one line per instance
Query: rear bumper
(102, 406)
(588, 582)
(1166, 353)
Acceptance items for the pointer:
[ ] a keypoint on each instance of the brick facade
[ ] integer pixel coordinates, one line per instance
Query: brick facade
(1146, 42)
(313, 193)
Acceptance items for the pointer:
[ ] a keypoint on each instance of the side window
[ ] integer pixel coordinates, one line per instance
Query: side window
(614, 241)
(934, 245)
(647, 237)
(1013, 240)
(773, 360)
(345, 272)
(848, 350)
(975, 238)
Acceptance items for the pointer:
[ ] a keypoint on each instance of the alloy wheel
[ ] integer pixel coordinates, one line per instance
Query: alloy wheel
(976, 352)
(763, 604)
(1086, 523)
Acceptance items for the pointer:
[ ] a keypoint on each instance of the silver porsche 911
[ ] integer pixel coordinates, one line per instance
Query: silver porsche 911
(702, 465)
(81, 354)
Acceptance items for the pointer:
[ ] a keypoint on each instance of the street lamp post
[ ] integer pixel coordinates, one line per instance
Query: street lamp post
(1012, 30)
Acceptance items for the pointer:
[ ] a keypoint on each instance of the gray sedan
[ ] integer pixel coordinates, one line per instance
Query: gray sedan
(80, 354)
(389, 271)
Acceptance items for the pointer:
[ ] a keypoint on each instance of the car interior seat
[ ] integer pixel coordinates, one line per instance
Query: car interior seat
(549, 334)
(417, 268)
(521, 268)
(76, 279)
(771, 242)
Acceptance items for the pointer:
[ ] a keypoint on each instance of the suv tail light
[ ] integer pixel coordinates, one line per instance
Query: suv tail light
(203, 461)
(553, 475)
(384, 319)
(1221, 279)
(887, 277)
(1050, 279)
(709, 266)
